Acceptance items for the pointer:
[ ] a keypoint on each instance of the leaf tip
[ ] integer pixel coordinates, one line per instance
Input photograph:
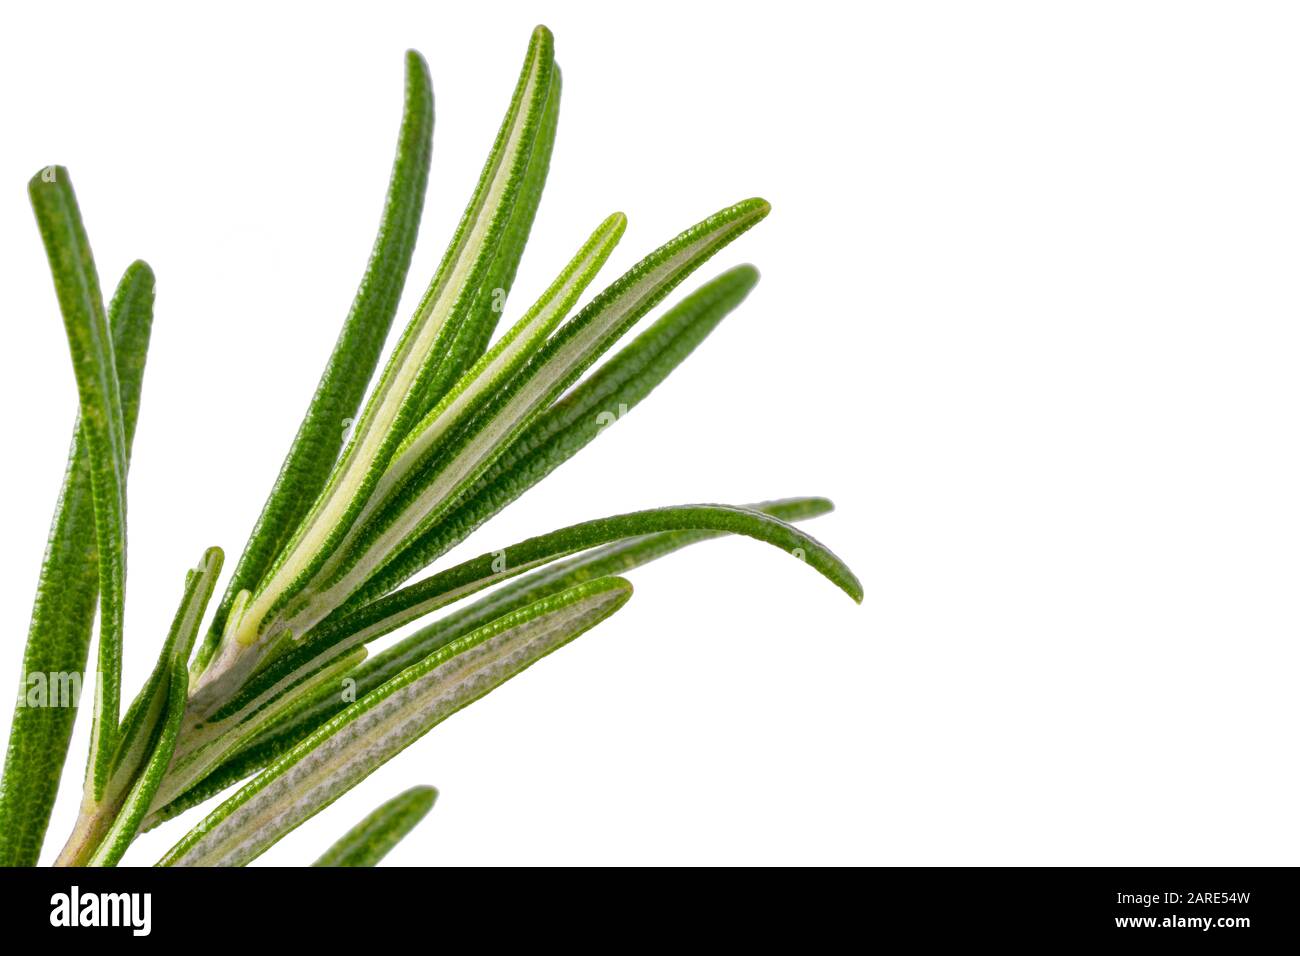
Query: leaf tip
(417, 67)
(615, 225)
(212, 560)
(423, 797)
(745, 274)
(139, 271)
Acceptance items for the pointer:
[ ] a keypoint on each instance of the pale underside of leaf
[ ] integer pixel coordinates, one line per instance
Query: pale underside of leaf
(321, 705)
(446, 587)
(370, 732)
(213, 739)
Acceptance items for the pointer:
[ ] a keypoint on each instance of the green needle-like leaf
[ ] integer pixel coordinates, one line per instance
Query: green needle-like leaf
(419, 366)
(494, 369)
(322, 704)
(243, 719)
(489, 304)
(103, 427)
(371, 731)
(316, 447)
(58, 639)
(568, 425)
(426, 494)
(411, 603)
(370, 840)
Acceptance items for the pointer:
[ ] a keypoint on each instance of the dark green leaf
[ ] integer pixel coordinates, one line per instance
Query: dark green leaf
(103, 427)
(338, 395)
(58, 639)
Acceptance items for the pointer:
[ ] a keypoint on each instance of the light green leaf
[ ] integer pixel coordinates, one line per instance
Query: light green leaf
(380, 725)
(370, 840)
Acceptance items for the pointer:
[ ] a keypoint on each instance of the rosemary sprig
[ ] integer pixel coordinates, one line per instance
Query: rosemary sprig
(456, 427)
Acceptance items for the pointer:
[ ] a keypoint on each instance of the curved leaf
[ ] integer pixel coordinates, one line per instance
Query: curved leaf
(106, 826)
(438, 590)
(103, 427)
(321, 705)
(402, 607)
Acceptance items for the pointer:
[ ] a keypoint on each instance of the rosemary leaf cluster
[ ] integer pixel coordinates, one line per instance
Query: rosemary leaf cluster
(461, 419)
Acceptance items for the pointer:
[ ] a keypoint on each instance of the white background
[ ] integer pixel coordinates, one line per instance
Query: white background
(1028, 314)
